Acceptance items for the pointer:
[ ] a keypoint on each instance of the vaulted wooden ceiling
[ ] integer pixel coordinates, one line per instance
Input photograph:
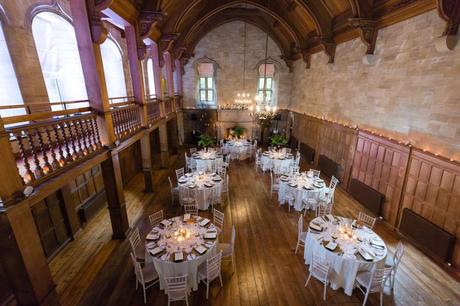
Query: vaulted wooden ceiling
(299, 27)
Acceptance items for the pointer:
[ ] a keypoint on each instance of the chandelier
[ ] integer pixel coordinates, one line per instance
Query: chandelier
(242, 97)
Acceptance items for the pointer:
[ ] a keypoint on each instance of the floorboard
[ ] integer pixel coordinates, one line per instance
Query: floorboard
(95, 270)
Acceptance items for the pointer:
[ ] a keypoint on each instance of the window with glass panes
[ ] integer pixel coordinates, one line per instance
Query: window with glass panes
(265, 84)
(265, 89)
(206, 90)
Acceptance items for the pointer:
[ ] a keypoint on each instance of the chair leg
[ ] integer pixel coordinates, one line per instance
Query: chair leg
(325, 288)
(233, 263)
(297, 247)
(381, 298)
(393, 278)
(207, 289)
(308, 279)
(221, 283)
(145, 298)
(366, 296)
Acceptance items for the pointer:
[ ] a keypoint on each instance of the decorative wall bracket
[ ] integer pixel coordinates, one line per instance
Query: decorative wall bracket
(99, 31)
(307, 59)
(147, 22)
(367, 30)
(141, 50)
(167, 41)
(449, 10)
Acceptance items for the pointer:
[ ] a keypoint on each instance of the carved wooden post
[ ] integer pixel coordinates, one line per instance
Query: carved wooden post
(163, 130)
(90, 32)
(177, 77)
(111, 173)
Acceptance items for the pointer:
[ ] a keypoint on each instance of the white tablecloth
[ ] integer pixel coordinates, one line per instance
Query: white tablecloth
(277, 161)
(164, 263)
(238, 149)
(202, 193)
(344, 267)
(301, 187)
(207, 161)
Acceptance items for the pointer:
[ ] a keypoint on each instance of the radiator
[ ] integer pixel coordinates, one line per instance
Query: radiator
(367, 196)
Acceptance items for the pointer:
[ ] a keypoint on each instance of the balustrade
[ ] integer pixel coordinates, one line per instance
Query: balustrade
(153, 110)
(45, 147)
(126, 120)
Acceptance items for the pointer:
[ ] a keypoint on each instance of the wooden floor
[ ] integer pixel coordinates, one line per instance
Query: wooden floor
(95, 270)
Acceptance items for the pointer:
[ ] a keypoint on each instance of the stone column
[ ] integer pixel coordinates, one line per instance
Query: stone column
(147, 162)
(111, 173)
(163, 130)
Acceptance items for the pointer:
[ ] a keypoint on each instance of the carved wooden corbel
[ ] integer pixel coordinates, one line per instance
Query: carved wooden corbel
(307, 59)
(449, 10)
(141, 50)
(99, 31)
(147, 22)
(368, 32)
(167, 41)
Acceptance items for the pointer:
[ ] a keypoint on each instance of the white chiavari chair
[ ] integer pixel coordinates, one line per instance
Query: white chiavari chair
(177, 288)
(193, 150)
(274, 185)
(173, 190)
(225, 188)
(202, 166)
(228, 249)
(372, 282)
(191, 209)
(186, 195)
(137, 246)
(222, 171)
(293, 169)
(147, 276)
(180, 173)
(367, 220)
(393, 263)
(319, 270)
(211, 270)
(321, 210)
(156, 218)
(310, 201)
(301, 235)
(226, 161)
(218, 220)
(258, 162)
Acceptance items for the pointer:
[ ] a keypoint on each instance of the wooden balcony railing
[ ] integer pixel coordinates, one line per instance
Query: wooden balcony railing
(45, 147)
(153, 109)
(168, 106)
(126, 119)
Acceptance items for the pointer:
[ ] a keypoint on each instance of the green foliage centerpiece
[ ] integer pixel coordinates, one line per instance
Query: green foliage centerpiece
(238, 131)
(205, 141)
(278, 140)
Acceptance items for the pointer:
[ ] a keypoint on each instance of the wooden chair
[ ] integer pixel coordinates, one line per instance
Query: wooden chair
(156, 218)
(372, 282)
(211, 270)
(320, 271)
(367, 220)
(147, 276)
(301, 235)
(177, 288)
(393, 262)
(137, 247)
(218, 220)
(228, 249)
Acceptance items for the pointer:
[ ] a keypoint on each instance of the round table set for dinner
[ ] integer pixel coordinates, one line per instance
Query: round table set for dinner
(208, 160)
(301, 186)
(179, 245)
(277, 160)
(347, 246)
(205, 187)
(238, 149)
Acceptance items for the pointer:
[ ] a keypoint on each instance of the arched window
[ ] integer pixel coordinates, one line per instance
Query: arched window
(9, 88)
(164, 81)
(59, 59)
(206, 84)
(151, 77)
(113, 69)
(265, 84)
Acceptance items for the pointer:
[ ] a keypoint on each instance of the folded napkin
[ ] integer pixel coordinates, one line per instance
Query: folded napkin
(315, 227)
(152, 236)
(151, 245)
(366, 255)
(329, 217)
(156, 251)
(165, 256)
(212, 235)
(331, 245)
(209, 244)
(178, 256)
(192, 186)
(204, 222)
(187, 217)
(191, 256)
(378, 243)
(188, 174)
(200, 249)
(166, 222)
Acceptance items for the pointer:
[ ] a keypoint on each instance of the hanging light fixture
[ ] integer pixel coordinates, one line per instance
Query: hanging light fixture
(263, 110)
(242, 97)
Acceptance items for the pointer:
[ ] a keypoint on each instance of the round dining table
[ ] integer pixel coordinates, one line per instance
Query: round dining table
(277, 160)
(238, 149)
(301, 186)
(207, 160)
(347, 246)
(205, 187)
(179, 245)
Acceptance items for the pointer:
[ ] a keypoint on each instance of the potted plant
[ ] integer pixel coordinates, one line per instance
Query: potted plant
(205, 141)
(238, 131)
(278, 140)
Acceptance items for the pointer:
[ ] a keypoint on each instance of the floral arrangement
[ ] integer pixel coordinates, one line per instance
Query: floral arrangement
(205, 141)
(278, 140)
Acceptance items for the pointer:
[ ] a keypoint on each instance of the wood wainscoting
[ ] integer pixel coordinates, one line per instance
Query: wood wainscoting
(381, 164)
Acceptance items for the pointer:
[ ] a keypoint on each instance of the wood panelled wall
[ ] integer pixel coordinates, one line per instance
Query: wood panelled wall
(433, 191)
(381, 164)
(409, 178)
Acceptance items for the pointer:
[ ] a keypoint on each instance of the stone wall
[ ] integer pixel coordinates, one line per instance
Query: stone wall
(411, 92)
(225, 46)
